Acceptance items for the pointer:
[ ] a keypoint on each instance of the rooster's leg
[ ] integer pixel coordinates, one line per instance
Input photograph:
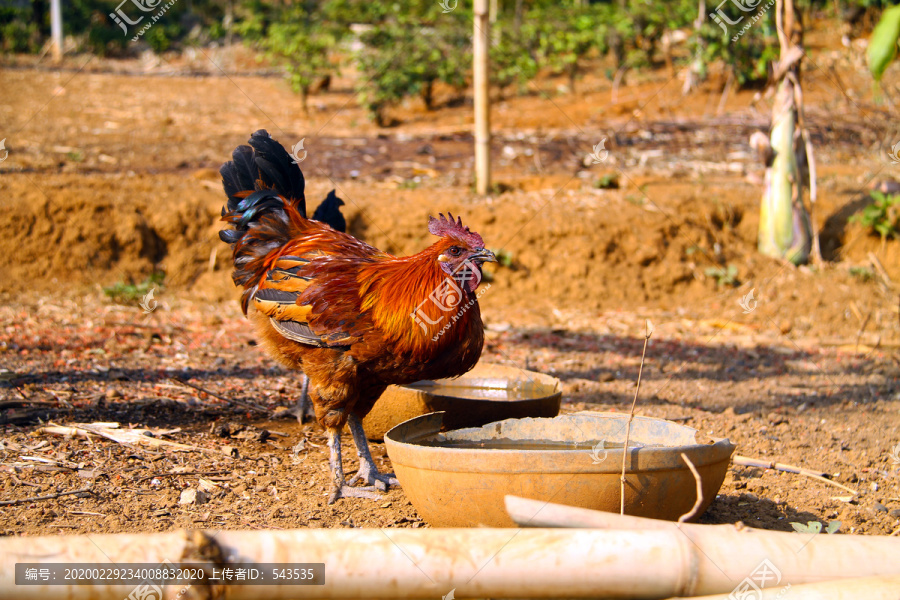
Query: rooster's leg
(341, 489)
(368, 472)
(303, 410)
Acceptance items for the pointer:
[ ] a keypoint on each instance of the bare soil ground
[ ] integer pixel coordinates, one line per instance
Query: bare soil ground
(111, 174)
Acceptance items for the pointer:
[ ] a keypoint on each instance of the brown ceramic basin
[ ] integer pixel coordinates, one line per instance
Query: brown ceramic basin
(459, 478)
(485, 394)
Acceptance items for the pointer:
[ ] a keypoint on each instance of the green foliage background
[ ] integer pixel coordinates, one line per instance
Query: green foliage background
(410, 48)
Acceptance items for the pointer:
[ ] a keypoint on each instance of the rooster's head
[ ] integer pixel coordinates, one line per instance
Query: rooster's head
(460, 252)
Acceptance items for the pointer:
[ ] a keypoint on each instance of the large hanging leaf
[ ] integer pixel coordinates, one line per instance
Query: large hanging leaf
(883, 43)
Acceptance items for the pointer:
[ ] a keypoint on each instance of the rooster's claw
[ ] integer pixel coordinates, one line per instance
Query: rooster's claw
(370, 476)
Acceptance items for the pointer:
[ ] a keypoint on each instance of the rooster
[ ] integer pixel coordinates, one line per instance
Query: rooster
(354, 319)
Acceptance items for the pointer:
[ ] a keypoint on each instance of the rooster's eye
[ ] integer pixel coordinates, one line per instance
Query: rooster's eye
(454, 251)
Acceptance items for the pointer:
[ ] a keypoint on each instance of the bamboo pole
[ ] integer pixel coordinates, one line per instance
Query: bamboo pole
(535, 513)
(56, 33)
(867, 588)
(480, 44)
(476, 563)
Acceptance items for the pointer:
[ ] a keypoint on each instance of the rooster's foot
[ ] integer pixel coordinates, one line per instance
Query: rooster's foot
(345, 491)
(369, 475)
(368, 472)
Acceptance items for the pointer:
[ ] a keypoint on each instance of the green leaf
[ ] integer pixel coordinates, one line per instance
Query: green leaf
(882, 47)
(811, 527)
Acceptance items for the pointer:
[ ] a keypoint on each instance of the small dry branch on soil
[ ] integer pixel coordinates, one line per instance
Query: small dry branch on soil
(112, 431)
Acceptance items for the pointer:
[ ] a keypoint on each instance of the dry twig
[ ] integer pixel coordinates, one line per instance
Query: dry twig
(250, 405)
(47, 497)
(637, 391)
(695, 510)
(766, 464)
(752, 462)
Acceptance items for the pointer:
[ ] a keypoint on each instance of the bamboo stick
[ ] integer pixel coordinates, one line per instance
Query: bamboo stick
(868, 588)
(480, 83)
(476, 563)
(535, 513)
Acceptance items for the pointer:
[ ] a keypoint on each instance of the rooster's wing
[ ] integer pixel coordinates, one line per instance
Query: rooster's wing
(312, 294)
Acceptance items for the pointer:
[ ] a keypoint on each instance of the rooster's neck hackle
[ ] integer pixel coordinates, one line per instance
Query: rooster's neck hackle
(405, 296)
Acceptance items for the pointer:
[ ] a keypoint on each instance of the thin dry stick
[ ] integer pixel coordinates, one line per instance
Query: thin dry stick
(861, 330)
(185, 474)
(745, 461)
(47, 497)
(699, 501)
(886, 279)
(834, 483)
(637, 391)
(753, 462)
(251, 405)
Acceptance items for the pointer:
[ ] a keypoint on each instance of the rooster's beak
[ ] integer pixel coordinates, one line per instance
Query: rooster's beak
(483, 255)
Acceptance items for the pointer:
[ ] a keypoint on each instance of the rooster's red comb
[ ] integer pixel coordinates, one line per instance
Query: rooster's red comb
(445, 227)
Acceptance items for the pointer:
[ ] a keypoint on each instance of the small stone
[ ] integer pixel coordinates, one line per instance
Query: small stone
(895, 513)
(879, 507)
(776, 419)
(192, 496)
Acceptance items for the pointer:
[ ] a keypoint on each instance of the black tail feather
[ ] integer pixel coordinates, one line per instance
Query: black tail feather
(263, 165)
(329, 212)
(262, 182)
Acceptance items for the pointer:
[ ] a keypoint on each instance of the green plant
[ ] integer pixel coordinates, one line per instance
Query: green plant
(512, 55)
(504, 257)
(723, 275)
(408, 54)
(747, 54)
(882, 48)
(882, 216)
(303, 39)
(864, 274)
(129, 293)
(609, 181)
(566, 35)
(157, 39)
(18, 36)
(815, 527)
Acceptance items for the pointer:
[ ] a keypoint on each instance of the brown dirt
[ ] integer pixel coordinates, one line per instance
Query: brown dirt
(116, 176)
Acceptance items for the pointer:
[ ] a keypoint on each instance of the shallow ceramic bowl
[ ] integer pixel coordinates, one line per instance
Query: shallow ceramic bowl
(459, 478)
(485, 394)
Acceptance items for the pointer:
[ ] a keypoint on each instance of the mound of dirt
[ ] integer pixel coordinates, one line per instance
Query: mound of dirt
(622, 251)
(105, 228)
